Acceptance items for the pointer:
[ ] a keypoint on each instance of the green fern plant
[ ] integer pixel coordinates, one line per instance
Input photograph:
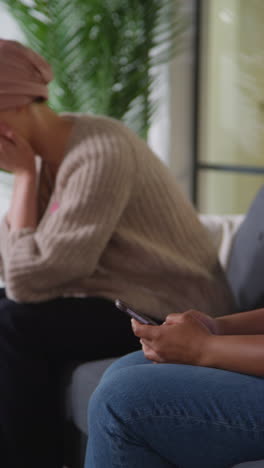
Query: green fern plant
(105, 53)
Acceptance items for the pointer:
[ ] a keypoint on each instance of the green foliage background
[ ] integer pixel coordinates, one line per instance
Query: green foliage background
(105, 53)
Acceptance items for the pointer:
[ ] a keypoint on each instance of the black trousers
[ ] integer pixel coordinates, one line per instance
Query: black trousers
(36, 343)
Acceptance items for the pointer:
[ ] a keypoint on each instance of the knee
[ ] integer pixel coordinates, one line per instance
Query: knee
(16, 323)
(114, 400)
(129, 360)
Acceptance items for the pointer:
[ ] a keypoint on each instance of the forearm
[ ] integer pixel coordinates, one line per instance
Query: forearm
(243, 323)
(244, 353)
(23, 209)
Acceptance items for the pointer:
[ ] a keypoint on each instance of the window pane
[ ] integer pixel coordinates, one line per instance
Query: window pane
(232, 83)
(226, 192)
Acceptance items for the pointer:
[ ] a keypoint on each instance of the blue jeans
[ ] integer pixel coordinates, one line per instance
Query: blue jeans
(145, 415)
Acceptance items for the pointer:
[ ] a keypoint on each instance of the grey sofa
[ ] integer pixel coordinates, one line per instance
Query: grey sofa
(78, 384)
(82, 378)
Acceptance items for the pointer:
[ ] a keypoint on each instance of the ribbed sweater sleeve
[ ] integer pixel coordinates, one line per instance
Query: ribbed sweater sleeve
(89, 199)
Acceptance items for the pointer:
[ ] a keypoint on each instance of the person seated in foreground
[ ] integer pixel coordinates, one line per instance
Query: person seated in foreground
(192, 398)
(202, 404)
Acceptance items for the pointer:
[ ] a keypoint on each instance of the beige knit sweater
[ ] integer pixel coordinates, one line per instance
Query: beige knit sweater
(115, 225)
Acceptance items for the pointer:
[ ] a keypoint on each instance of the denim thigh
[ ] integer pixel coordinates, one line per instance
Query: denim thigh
(186, 416)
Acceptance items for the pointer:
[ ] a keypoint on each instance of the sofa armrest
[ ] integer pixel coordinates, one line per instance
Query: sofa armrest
(222, 229)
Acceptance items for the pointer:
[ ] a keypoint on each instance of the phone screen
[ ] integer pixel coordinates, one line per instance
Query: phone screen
(142, 318)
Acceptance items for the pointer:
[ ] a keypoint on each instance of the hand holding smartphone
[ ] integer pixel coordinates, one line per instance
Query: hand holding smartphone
(142, 318)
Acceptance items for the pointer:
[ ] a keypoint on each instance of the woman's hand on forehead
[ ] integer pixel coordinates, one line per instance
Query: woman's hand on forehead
(6, 131)
(16, 154)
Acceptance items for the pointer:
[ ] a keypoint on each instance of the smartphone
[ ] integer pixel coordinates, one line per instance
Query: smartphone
(142, 318)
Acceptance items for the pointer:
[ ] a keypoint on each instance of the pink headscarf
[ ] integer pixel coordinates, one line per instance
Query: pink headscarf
(24, 75)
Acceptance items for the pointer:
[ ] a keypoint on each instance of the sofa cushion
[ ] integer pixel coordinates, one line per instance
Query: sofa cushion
(245, 269)
(222, 229)
(82, 380)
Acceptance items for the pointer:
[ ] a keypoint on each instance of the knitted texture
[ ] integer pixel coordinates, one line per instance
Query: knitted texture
(116, 225)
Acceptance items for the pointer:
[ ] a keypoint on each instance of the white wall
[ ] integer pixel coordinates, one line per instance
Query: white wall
(8, 26)
(171, 135)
